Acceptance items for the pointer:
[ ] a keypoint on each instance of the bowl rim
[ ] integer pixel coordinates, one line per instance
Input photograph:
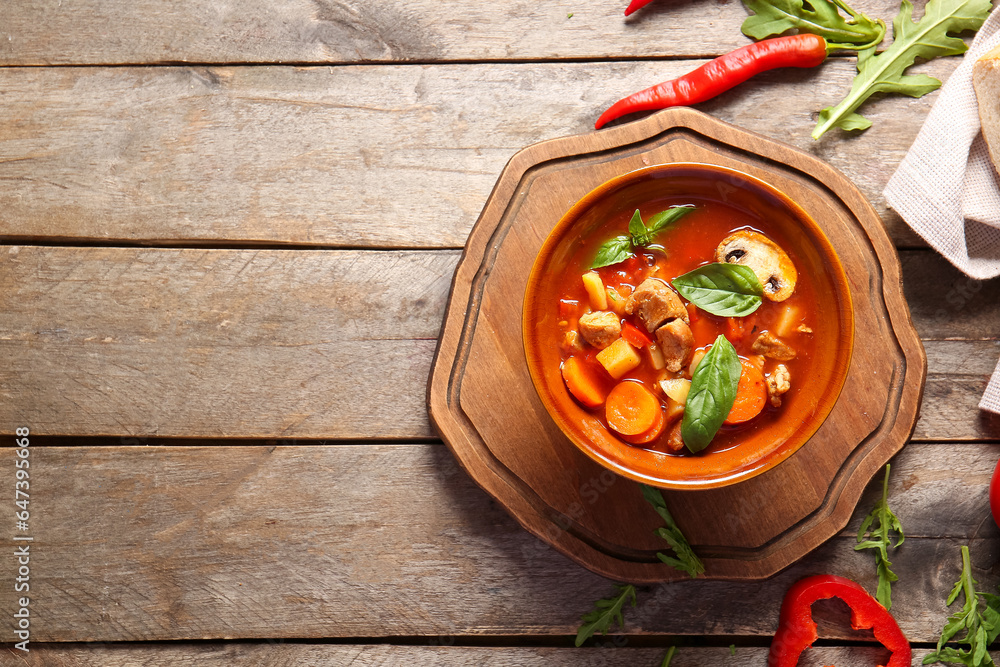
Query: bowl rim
(827, 398)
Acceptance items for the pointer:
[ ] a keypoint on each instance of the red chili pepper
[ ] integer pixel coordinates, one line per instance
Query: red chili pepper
(636, 5)
(635, 335)
(797, 630)
(719, 75)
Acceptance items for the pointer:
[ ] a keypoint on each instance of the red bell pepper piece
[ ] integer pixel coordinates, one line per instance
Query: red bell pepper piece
(797, 630)
(635, 335)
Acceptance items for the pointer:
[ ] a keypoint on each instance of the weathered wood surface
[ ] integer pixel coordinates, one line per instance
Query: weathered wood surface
(236, 343)
(333, 344)
(365, 540)
(321, 156)
(299, 655)
(155, 543)
(298, 31)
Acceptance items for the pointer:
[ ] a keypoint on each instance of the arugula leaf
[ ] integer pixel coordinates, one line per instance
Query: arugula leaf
(611, 252)
(620, 248)
(686, 561)
(712, 393)
(727, 290)
(820, 17)
(883, 72)
(606, 612)
(876, 527)
(668, 657)
(981, 627)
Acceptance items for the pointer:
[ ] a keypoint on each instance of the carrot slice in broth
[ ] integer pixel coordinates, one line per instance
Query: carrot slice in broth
(751, 394)
(631, 409)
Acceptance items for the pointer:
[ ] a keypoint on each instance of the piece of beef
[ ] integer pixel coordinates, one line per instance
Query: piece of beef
(655, 302)
(778, 382)
(600, 329)
(676, 343)
(772, 347)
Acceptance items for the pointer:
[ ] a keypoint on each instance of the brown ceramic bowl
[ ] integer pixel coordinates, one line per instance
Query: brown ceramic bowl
(750, 202)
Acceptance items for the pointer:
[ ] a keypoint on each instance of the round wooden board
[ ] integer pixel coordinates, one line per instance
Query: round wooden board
(482, 402)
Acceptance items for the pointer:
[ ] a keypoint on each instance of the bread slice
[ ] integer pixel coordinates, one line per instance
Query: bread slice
(986, 81)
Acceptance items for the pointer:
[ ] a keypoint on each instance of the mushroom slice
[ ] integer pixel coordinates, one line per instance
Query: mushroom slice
(772, 347)
(771, 264)
(600, 329)
(655, 303)
(676, 344)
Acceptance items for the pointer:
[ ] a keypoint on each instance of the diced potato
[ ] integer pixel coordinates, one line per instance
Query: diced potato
(677, 390)
(656, 357)
(619, 358)
(757, 360)
(616, 302)
(787, 321)
(695, 360)
(595, 290)
(674, 410)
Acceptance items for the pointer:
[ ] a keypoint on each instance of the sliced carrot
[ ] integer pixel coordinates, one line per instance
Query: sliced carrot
(632, 409)
(649, 435)
(584, 382)
(751, 394)
(635, 335)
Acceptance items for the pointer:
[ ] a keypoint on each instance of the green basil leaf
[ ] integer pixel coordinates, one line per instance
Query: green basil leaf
(616, 250)
(727, 290)
(636, 228)
(713, 391)
(663, 219)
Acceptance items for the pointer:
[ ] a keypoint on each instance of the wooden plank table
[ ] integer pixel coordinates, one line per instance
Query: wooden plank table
(229, 232)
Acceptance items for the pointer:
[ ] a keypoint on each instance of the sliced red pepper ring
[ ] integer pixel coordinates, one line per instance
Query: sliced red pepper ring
(797, 629)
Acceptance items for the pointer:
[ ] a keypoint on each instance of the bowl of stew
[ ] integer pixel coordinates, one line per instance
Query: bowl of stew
(687, 325)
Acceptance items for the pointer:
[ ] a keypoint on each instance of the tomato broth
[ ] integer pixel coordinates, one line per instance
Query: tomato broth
(599, 380)
(683, 246)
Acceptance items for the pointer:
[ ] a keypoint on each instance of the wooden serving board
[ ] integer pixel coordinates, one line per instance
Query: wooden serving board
(482, 402)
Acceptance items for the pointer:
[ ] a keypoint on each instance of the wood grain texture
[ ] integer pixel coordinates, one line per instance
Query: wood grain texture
(155, 543)
(305, 655)
(320, 156)
(260, 343)
(320, 344)
(322, 31)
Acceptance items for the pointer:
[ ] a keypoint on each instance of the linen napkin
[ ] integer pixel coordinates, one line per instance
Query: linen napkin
(946, 187)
